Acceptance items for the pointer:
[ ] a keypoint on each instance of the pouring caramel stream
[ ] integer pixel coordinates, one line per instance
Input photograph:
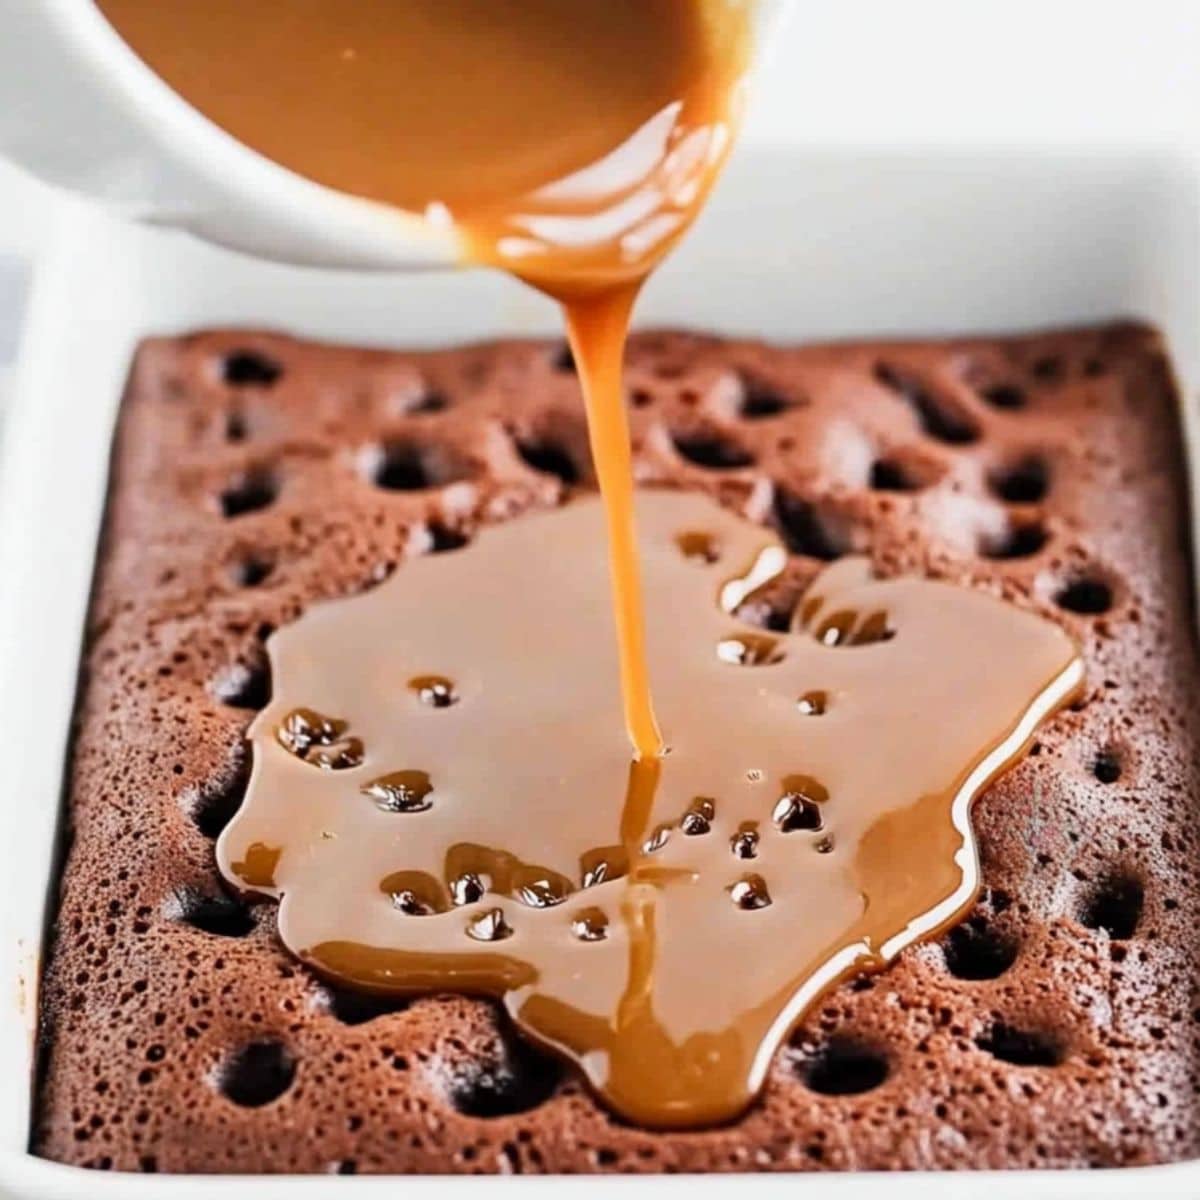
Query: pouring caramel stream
(570, 142)
(439, 799)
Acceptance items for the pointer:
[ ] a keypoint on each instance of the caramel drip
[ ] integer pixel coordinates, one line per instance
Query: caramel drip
(597, 330)
(810, 820)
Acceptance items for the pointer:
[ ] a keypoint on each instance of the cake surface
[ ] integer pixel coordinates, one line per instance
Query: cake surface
(253, 475)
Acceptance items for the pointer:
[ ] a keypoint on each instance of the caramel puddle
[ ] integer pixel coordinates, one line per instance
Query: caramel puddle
(606, 903)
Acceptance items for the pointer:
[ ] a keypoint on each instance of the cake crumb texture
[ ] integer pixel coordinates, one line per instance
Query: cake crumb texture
(254, 475)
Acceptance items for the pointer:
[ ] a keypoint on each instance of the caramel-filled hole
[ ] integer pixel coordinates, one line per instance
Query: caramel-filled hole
(401, 791)
(699, 817)
(433, 691)
(489, 926)
(415, 893)
(760, 400)
(750, 893)
(590, 924)
(1003, 395)
(603, 865)
(699, 546)
(244, 685)
(751, 650)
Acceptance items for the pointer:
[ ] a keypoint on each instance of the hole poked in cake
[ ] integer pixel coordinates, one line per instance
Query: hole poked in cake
(549, 457)
(711, 450)
(513, 1078)
(426, 402)
(1022, 1047)
(433, 691)
(561, 359)
(250, 368)
(237, 428)
(843, 1066)
(1022, 480)
(407, 465)
(249, 492)
(1113, 905)
(244, 684)
(1087, 594)
(976, 950)
(256, 1074)
(404, 791)
(352, 1007)
(1009, 396)
(761, 399)
(903, 471)
(1107, 764)
(940, 417)
(251, 570)
(444, 538)
(807, 529)
(214, 913)
(319, 740)
(213, 805)
(1014, 539)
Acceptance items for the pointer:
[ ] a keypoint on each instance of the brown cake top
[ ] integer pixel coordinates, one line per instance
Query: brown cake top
(255, 476)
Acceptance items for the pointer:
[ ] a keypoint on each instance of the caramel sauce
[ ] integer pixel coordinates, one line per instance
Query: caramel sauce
(811, 818)
(440, 801)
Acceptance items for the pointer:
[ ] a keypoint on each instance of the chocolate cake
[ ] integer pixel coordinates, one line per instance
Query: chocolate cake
(253, 475)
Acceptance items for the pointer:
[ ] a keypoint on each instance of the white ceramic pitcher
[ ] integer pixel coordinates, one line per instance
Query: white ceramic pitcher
(78, 108)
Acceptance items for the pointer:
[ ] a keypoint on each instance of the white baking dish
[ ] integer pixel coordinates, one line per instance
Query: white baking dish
(795, 246)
